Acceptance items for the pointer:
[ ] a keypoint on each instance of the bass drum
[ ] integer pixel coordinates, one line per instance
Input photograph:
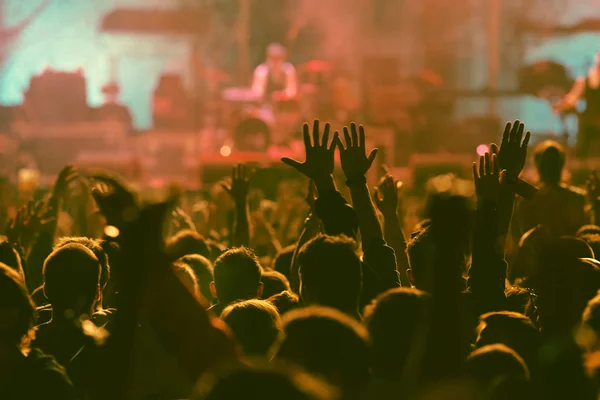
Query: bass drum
(252, 134)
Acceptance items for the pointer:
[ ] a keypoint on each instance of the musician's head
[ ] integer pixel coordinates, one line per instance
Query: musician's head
(550, 161)
(276, 54)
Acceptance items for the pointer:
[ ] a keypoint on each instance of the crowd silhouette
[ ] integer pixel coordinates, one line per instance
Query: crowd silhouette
(316, 295)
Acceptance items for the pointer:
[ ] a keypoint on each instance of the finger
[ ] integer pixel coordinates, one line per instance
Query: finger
(347, 138)
(495, 165)
(494, 149)
(372, 156)
(386, 169)
(377, 195)
(354, 135)
(226, 187)
(514, 130)
(481, 167)
(233, 172)
(506, 133)
(502, 176)
(306, 135)
(475, 174)
(336, 142)
(520, 134)
(361, 132)
(316, 133)
(325, 141)
(292, 163)
(487, 164)
(526, 140)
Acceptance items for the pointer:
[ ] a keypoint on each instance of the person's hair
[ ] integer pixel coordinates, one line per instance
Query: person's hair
(593, 240)
(274, 283)
(591, 314)
(284, 302)
(237, 275)
(418, 251)
(492, 363)
(17, 311)
(203, 270)
(95, 246)
(186, 242)
(513, 330)
(255, 324)
(72, 278)
(329, 343)
(588, 230)
(577, 281)
(330, 272)
(283, 260)
(275, 381)
(10, 257)
(549, 161)
(392, 319)
(521, 300)
(187, 276)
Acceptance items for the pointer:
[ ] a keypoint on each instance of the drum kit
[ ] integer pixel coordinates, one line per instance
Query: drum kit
(256, 124)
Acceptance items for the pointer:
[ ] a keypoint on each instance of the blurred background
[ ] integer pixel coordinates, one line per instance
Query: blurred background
(161, 90)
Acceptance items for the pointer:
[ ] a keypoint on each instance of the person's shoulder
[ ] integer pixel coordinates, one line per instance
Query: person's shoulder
(49, 376)
(574, 192)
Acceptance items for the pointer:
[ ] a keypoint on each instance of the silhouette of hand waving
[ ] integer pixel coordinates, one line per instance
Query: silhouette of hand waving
(319, 156)
(488, 178)
(355, 161)
(116, 202)
(513, 149)
(386, 195)
(240, 183)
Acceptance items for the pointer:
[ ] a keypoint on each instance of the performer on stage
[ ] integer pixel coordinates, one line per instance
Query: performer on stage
(586, 88)
(275, 80)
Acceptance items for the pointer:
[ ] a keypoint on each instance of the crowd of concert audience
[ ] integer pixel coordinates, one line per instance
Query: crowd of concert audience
(317, 295)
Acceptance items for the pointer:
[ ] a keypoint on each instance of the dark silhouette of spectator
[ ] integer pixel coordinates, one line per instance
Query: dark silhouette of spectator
(255, 324)
(203, 270)
(284, 302)
(328, 343)
(237, 276)
(495, 362)
(31, 376)
(187, 242)
(331, 274)
(72, 285)
(283, 260)
(274, 283)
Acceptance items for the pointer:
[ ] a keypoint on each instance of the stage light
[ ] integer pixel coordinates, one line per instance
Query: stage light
(111, 231)
(225, 151)
(482, 149)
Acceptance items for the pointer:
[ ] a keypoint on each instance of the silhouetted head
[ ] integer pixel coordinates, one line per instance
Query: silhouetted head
(327, 343)
(331, 273)
(275, 381)
(186, 242)
(513, 330)
(550, 161)
(72, 280)
(592, 240)
(96, 247)
(392, 320)
(17, 311)
(187, 276)
(274, 283)
(420, 253)
(237, 276)
(284, 302)
(283, 261)
(255, 324)
(203, 270)
(492, 363)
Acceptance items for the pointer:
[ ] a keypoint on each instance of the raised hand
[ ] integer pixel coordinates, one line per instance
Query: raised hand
(386, 195)
(240, 183)
(31, 219)
(355, 161)
(513, 149)
(319, 155)
(67, 175)
(488, 178)
(116, 202)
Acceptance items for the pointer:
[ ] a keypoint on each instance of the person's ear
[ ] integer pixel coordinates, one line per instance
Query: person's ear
(259, 291)
(411, 278)
(213, 290)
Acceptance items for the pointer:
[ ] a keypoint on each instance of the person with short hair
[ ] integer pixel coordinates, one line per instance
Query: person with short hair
(203, 270)
(255, 324)
(237, 276)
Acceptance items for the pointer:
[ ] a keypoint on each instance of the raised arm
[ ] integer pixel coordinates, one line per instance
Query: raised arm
(355, 163)
(238, 190)
(386, 198)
